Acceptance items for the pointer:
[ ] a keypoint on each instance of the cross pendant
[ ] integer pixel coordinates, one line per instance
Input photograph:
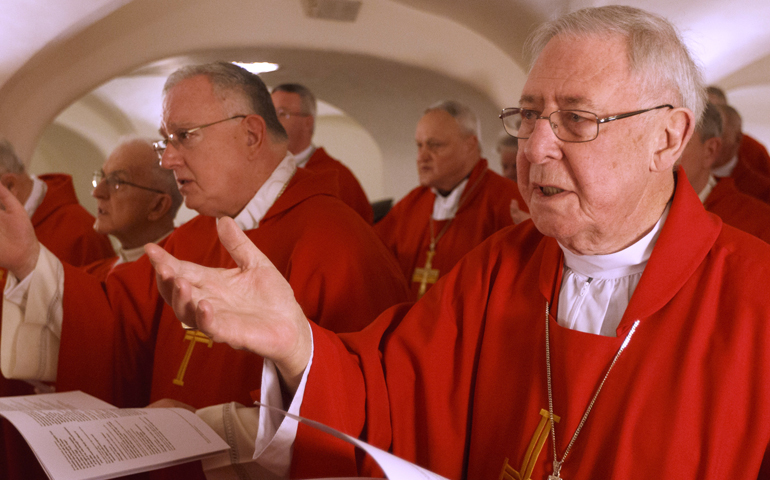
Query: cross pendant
(554, 477)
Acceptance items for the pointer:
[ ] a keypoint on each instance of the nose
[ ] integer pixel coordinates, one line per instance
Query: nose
(171, 157)
(101, 190)
(542, 144)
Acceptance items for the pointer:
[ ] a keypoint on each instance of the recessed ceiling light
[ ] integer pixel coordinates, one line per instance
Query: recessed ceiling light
(258, 67)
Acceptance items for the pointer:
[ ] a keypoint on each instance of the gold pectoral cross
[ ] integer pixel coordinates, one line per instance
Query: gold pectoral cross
(194, 336)
(425, 275)
(533, 451)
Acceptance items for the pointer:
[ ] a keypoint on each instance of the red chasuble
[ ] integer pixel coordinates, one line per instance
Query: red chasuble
(67, 230)
(755, 155)
(458, 383)
(742, 211)
(350, 190)
(751, 182)
(406, 228)
(130, 340)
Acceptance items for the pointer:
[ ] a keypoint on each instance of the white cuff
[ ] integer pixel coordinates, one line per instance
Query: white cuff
(32, 321)
(275, 439)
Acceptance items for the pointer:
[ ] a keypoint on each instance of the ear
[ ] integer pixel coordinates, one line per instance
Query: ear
(676, 131)
(11, 182)
(472, 143)
(256, 131)
(712, 147)
(159, 207)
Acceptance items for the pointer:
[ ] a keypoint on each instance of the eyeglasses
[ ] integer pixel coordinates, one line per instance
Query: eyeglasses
(183, 138)
(574, 126)
(286, 114)
(115, 183)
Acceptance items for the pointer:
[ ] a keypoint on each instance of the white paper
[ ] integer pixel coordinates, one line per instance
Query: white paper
(78, 437)
(394, 468)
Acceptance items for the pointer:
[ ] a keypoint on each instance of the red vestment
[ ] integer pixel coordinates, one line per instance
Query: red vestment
(406, 228)
(342, 276)
(458, 382)
(350, 190)
(751, 182)
(67, 230)
(755, 155)
(742, 211)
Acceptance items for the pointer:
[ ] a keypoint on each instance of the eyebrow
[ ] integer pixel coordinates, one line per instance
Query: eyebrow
(563, 101)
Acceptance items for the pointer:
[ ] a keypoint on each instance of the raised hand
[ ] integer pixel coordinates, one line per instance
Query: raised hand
(20, 248)
(250, 307)
(518, 215)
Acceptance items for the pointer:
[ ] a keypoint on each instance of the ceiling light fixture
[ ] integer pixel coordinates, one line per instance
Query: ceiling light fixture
(258, 67)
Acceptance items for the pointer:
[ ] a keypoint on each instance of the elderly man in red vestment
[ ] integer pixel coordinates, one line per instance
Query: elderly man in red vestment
(747, 171)
(137, 201)
(228, 151)
(720, 196)
(621, 334)
(459, 203)
(66, 229)
(296, 107)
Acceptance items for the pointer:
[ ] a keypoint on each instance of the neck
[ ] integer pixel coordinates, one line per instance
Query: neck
(146, 235)
(699, 179)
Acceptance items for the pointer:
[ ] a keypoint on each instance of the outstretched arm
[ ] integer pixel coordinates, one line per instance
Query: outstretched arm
(249, 307)
(17, 236)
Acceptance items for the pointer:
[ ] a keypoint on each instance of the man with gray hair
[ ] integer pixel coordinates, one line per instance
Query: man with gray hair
(228, 152)
(459, 203)
(621, 334)
(729, 162)
(296, 107)
(137, 201)
(720, 195)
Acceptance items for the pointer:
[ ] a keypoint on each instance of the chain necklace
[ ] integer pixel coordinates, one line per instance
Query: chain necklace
(557, 464)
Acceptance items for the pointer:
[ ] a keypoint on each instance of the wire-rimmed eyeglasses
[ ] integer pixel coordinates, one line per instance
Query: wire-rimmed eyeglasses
(115, 183)
(574, 126)
(182, 137)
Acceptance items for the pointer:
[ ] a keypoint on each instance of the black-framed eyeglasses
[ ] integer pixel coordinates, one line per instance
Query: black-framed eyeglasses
(183, 137)
(115, 183)
(575, 126)
(285, 114)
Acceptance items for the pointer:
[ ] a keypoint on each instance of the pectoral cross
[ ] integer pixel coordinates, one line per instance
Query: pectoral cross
(533, 451)
(194, 336)
(426, 275)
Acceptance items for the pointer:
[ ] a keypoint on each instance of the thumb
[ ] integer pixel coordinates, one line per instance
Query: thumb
(245, 254)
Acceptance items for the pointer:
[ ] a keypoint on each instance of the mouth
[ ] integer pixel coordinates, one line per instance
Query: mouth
(550, 191)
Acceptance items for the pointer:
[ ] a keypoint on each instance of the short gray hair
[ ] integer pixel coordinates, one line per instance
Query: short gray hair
(9, 161)
(309, 103)
(656, 52)
(731, 117)
(710, 124)
(469, 122)
(227, 78)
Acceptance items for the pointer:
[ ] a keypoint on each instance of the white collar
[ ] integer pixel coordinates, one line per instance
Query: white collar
(704, 194)
(36, 196)
(267, 194)
(126, 255)
(626, 262)
(726, 170)
(302, 157)
(445, 208)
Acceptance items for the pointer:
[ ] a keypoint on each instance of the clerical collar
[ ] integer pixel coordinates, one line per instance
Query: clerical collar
(726, 170)
(267, 194)
(39, 188)
(445, 207)
(126, 255)
(704, 194)
(626, 262)
(302, 157)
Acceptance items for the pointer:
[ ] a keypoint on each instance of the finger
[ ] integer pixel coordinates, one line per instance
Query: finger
(245, 254)
(8, 201)
(183, 303)
(158, 256)
(204, 318)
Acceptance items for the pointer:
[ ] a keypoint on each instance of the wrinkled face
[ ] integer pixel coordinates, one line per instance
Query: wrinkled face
(508, 162)
(298, 126)
(124, 211)
(587, 195)
(445, 155)
(212, 168)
